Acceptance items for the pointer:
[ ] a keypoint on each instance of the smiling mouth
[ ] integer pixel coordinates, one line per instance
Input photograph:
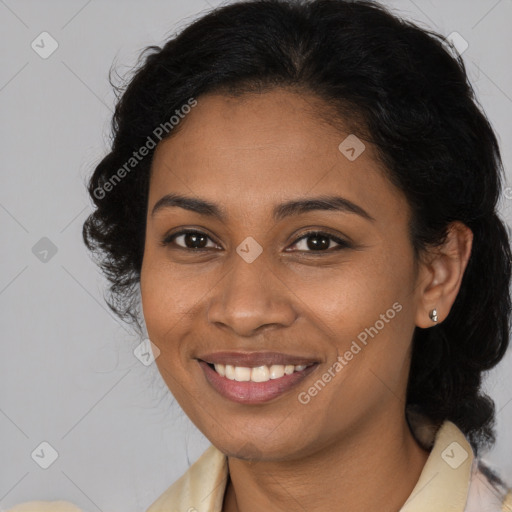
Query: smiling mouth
(256, 384)
(262, 373)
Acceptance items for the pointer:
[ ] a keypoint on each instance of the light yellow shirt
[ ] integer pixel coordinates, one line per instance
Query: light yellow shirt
(451, 481)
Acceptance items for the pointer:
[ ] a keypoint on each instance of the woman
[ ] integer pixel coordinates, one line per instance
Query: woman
(304, 192)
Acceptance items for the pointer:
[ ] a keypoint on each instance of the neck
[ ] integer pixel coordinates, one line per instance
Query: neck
(378, 463)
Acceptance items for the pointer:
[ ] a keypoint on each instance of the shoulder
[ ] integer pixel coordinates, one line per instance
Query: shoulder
(45, 506)
(453, 474)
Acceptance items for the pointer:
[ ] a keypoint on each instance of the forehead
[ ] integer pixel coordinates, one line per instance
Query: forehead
(262, 149)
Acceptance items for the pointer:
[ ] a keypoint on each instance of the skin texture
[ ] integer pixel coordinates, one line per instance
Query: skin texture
(349, 446)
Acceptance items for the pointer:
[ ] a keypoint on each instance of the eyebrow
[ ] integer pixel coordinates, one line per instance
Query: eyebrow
(281, 211)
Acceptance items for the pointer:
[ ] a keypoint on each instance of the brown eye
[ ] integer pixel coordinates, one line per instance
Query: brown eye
(193, 240)
(319, 242)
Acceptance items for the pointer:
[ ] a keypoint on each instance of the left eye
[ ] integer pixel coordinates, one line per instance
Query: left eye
(319, 242)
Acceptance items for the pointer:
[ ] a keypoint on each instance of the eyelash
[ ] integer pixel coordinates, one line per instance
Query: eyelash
(342, 244)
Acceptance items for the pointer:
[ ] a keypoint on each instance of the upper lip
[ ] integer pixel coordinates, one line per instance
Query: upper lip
(254, 359)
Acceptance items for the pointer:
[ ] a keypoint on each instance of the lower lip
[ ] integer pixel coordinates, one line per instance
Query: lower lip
(249, 392)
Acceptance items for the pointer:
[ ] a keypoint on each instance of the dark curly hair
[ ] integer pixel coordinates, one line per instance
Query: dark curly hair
(404, 89)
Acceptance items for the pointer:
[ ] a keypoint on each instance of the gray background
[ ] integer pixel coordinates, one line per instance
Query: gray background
(68, 373)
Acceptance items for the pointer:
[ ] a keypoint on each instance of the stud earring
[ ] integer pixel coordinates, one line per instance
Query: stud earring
(433, 315)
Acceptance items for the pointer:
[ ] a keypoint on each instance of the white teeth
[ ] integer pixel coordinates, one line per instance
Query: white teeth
(258, 373)
(220, 369)
(230, 372)
(242, 374)
(277, 371)
(289, 369)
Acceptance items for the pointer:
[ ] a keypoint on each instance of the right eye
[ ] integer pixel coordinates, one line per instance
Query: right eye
(190, 240)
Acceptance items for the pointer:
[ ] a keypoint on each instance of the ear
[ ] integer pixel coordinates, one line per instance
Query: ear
(440, 274)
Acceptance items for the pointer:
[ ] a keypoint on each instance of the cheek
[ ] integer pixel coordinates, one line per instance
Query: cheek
(364, 310)
(172, 302)
(376, 325)
(353, 295)
(164, 304)
(159, 305)
(167, 293)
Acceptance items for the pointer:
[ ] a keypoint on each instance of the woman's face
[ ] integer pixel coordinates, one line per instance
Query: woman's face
(252, 283)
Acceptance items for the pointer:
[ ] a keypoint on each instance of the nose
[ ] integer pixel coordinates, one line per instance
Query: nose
(251, 298)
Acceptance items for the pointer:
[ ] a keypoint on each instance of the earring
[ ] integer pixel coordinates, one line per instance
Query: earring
(433, 315)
